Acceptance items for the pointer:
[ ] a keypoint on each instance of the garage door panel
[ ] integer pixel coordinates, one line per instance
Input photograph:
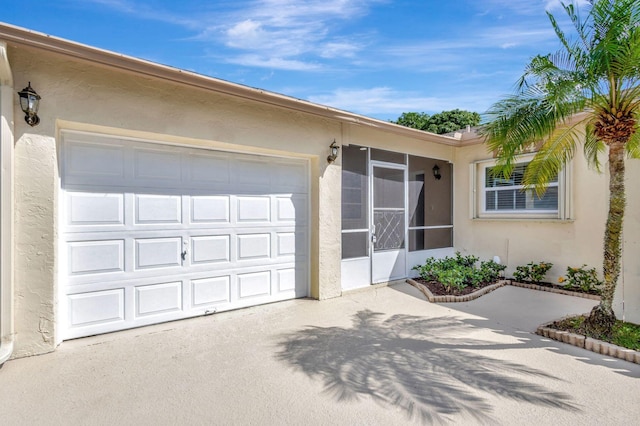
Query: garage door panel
(93, 257)
(94, 209)
(210, 209)
(158, 298)
(291, 209)
(286, 244)
(156, 233)
(156, 209)
(155, 165)
(253, 174)
(253, 209)
(158, 252)
(210, 249)
(254, 246)
(209, 169)
(96, 307)
(254, 284)
(94, 162)
(210, 291)
(289, 177)
(286, 279)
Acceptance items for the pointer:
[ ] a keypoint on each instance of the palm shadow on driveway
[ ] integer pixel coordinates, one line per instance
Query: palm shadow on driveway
(424, 366)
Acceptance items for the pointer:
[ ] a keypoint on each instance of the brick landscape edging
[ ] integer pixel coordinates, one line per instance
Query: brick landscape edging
(468, 297)
(589, 344)
(450, 298)
(554, 290)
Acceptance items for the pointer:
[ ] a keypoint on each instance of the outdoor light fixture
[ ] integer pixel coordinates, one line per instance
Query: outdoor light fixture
(334, 152)
(436, 172)
(29, 102)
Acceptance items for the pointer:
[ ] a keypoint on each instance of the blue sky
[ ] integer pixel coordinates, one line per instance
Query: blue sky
(373, 57)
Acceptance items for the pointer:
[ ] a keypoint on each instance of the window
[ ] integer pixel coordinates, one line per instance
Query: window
(507, 198)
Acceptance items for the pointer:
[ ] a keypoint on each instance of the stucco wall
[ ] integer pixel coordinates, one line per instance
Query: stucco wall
(81, 96)
(564, 243)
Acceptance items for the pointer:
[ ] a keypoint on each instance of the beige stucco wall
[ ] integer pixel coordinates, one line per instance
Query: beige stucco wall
(81, 96)
(564, 243)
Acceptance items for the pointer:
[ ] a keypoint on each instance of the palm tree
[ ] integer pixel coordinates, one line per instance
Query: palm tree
(587, 94)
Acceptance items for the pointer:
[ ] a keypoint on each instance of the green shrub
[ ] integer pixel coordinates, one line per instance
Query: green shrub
(454, 278)
(582, 279)
(532, 272)
(459, 272)
(491, 271)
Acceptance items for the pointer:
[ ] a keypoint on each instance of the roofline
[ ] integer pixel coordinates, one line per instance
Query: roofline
(38, 40)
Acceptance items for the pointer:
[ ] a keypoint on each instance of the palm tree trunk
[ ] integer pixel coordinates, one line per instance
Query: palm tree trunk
(602, 317)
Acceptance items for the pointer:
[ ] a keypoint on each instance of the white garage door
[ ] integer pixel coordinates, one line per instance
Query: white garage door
(154, 233)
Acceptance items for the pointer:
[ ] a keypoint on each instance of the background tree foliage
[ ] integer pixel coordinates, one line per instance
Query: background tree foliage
(441, 123)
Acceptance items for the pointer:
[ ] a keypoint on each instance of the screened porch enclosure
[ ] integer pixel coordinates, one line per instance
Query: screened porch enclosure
(396, 211)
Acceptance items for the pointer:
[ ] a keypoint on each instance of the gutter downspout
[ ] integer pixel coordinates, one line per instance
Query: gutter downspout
(6, 206)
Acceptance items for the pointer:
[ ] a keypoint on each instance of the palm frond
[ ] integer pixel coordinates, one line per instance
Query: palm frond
(552, 156)
(593, 148)
(633, 144)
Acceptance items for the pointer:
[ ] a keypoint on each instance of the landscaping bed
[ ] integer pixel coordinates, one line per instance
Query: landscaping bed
(438, 289)
(622, 343)
(462, 279)
(623, 334)
(449, 297)
(457, 278)
(553, 288)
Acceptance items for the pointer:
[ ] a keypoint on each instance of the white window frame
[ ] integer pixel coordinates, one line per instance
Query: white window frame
(478, 195)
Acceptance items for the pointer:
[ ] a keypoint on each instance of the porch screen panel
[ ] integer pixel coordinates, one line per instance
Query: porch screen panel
(427, 239)
(355, 201)
(387, 156)
(430, 204)
(355, 244)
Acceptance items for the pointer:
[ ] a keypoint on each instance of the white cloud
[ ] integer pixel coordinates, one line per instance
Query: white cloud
(245, 35)
(526, 7)
(286, 28)
(385, 101)
(272, 63)
(552, 5)
(338, 49)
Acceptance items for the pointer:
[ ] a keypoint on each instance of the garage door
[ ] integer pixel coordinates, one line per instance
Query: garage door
(153, 233)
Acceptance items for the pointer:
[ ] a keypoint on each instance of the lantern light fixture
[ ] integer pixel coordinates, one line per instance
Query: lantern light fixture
(334, 152)
(30, 102)
(436, 172)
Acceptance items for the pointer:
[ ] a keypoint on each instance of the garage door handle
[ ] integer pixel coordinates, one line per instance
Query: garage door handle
(184, 255)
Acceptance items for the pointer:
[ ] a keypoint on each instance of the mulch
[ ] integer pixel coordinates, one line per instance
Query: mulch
(437, 289)
(561, 287)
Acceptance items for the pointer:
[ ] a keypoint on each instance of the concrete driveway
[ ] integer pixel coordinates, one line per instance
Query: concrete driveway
(377, 357)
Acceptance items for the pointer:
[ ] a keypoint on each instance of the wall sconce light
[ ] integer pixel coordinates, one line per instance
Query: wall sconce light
(29, 102)
(334, 152)
(436, 172)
